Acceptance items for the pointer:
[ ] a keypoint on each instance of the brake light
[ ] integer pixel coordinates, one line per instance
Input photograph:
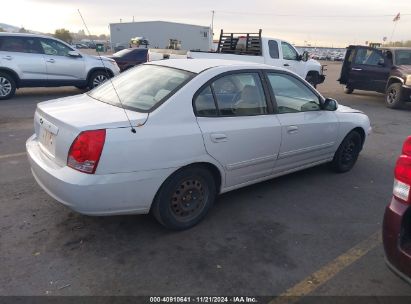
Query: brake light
(402, 182)
(85, 151)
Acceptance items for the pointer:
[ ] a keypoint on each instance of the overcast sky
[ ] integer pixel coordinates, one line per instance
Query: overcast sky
(319, 22)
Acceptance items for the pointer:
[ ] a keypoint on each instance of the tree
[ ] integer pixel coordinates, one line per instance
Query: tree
(23, 30)
(2, 30)
(64, 35)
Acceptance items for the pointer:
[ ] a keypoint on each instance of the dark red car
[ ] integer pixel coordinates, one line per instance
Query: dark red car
(128, 58)
(397, 218)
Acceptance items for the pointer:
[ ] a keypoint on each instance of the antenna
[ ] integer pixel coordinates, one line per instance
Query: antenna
(106, 70)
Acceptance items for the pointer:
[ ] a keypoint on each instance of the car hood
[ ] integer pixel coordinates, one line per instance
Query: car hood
(405, 69)
(344, 109)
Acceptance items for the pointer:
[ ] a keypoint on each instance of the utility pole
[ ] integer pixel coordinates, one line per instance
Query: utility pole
(212, 25)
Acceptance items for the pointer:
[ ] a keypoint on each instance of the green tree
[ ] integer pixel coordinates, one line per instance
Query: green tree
(64, 35)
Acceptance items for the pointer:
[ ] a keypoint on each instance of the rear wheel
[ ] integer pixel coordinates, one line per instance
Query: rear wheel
(7, 86)
(393, 98)
(348, 90)
(184, 198)
(347, 153)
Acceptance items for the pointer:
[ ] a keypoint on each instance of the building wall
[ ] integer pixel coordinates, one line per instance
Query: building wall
(158, 33)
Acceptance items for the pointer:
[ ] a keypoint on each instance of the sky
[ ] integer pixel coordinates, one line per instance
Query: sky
(319, 22)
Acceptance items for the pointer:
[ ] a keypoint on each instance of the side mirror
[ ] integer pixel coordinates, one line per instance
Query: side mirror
(330, 104)
(381, 62)
(305, 56)
(74, 54)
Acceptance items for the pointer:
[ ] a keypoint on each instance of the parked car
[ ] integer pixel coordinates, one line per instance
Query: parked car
(129, 58)
(397, 218)
(198, 128)
(384, 70)
(28, 60)
(254, 48)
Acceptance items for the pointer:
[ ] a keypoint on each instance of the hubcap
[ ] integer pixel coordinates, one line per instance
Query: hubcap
(349, 152)
(188, 199)
(99, 79)
(5, 87)
(391, 96)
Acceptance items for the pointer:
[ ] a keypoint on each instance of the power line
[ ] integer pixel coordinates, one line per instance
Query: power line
(313, 16)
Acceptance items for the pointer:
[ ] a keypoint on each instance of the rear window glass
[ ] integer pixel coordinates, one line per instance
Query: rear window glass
(403, 57)
(20, 44)
(273, 48)
(142, 88)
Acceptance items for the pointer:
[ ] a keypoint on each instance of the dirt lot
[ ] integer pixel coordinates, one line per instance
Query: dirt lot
(261, 240)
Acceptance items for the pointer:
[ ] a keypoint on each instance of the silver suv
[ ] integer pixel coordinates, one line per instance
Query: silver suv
(28, 60)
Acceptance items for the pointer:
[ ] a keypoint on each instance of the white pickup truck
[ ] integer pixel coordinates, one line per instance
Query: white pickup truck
(254, 48)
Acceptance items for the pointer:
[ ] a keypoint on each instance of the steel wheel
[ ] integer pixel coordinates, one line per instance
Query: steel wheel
(188, 199)
(349, 152)
(392, 96)
(5, 87)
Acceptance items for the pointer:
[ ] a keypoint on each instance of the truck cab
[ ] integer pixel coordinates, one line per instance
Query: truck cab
(383, 70)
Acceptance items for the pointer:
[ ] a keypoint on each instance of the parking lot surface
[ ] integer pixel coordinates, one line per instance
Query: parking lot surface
(263, 240)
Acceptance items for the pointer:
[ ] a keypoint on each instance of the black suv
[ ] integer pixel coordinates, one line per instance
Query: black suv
(384, 70)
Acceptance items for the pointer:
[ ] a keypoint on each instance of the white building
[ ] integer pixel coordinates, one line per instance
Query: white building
(158, 33)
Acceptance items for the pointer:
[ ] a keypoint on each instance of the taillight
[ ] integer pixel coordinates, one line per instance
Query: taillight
(85, 151)
(402, 182)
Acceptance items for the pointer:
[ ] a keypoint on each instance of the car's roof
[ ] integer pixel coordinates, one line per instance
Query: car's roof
(200, 65)
(24, 35)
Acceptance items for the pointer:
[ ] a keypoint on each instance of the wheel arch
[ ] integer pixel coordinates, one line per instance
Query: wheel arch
(393, 79)
(93, 70)
(13, 74)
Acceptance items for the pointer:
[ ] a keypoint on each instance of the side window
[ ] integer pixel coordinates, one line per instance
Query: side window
(368, 56)
(20, 44)
(273, 49)
(204, 103)
(289, 53)
(52, 47)
(292, 95)
(240, 95)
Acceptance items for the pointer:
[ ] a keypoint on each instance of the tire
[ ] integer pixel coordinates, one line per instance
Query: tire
(7, 86)
(184, 198)
(347, 153)
(312, 78)
(97, 78)
(348, 90)
(393, 96)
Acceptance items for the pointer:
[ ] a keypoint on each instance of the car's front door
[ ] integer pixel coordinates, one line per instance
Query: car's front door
(309, 133)
(291, 59)
(238, 126)
(369, 70)
(60, 66)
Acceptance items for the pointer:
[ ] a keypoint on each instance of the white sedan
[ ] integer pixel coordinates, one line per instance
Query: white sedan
(167, 137)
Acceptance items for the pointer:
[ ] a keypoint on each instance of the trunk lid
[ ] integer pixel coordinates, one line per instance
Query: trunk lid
(58, 122)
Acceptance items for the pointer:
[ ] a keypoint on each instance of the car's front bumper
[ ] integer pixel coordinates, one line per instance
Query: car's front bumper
(95, 194)
(406, 93)
(396, 238)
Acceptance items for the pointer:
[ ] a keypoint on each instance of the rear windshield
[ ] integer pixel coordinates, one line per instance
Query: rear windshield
(403, 57)
(142, 88)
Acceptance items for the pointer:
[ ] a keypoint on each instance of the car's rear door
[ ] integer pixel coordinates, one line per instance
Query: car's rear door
(369, 69)
(239, 129)
(23, 55)
(309, 133)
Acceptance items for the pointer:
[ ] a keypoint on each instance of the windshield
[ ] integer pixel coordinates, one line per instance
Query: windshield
(122, 53)
(403, 57)
(142, 88)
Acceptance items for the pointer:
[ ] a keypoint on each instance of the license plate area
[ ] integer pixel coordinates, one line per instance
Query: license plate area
(47, 141)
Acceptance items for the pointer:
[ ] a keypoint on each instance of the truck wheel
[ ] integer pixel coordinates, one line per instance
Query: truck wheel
(348, 90)
(312, 78)
(97, 78)
(393, 98)
(7, 86)
(184, 198)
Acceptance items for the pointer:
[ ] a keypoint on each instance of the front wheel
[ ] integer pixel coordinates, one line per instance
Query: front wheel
(348, 90)
(7, 86)
(185, 198)
(97, 78)
(393, 98)
(313, 79)
(347, 153)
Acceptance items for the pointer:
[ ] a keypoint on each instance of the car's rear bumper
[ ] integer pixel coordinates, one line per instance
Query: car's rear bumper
(397, 238)
(95, 194)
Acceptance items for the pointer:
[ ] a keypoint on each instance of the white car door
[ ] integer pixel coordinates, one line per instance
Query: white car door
(60, 66)
(291, 59)
(309, 133)
(239, 129)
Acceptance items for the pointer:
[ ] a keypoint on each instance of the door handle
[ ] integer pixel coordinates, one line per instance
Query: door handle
(292, 129)
(217, 138)
(51, 60)
(286, 64)
(8, 57)
(356, 69)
